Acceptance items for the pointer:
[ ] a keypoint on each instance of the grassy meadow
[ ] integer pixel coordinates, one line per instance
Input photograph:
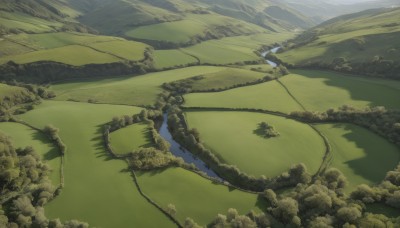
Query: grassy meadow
(362, 156)
(138, 90)
(233, 136)
(171, 58)
(321, 90)
(269, 95)
(70, 48)
(23, 136)
(195, 196)
(131, 138)
(91, 178)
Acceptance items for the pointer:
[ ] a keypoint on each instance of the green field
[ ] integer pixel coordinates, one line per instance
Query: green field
(194, 196)
(23, 136)
(226, 78)
(97, 190)
(234, 137)
(269, 95)
(26, 23)
(139, 90)
(70, 48)
(73, 55)
(171, 58)
(130, 138)
(362, 156)
(191, 27)
(321, 90)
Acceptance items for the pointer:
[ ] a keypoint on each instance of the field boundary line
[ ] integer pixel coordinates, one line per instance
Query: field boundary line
(186, 53)
(104, 52)
(291, 95)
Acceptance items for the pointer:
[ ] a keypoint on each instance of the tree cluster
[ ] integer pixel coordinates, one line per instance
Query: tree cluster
(52, 132)
(267, 131)
(151, 159)
(25, 188)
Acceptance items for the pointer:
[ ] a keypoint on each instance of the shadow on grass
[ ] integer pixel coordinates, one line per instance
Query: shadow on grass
(380, 155)
(54, 152)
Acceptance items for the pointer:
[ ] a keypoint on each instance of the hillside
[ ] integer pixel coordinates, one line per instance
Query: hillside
(367, 42)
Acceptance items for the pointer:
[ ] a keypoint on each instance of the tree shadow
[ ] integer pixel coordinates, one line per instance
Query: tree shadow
(358, 88)
(54, 152)
(379, 157)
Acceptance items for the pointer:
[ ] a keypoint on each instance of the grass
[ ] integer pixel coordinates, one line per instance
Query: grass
(321, 90)
(362, 156)
(194, 196)
(69, 48)
(129, 50)
(226, 78)
(100, 191)
(23, 136)
(171, 58)
(139, 90)
(176, 31)
(270, 96)
(379, 208)
(73, 55)
(234, 137)
(26, 23)
(265, 68)
(192, 26)
(358, 39)
(130, 138)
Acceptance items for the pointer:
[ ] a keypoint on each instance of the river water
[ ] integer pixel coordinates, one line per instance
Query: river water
(177, 150)
(265, 53)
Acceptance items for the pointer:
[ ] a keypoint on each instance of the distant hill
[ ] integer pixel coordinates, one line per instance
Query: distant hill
(367, 42)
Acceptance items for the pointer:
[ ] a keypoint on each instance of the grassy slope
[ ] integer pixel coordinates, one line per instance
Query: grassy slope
(73, 55)
(269, 96)
(27, 23)
(23, 136)
(193, 25)
(194, 196)
(69, 48)
(226, 78)
(130, 138)
(321, 90)
(139, 90)
(233, 136)
(234, 49)
(98, 190)
(361, 155)
(358, 38)
(171, 58)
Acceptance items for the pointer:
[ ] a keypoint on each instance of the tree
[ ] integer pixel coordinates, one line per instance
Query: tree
(286, 210)
(190, 223)
(171, 209)
(349, 213)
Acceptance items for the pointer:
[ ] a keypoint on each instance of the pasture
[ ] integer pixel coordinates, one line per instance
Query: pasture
(269, 96)
(23, 136)
(362, 156)
(131, 138)
(138, 90)
(195, 196)
(100, 191)
(321, 90)
(171, 58)
(234, 137)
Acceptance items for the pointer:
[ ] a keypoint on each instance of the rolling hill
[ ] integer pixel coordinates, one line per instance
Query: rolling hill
(367, 43)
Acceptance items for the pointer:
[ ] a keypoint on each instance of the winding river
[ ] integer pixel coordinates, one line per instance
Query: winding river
(265, 53)
(177, 150)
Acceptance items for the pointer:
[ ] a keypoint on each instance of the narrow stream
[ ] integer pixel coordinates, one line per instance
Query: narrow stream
(273, 50)
(177, 150)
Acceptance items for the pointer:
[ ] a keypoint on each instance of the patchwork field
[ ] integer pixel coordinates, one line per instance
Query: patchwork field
(70, 48)
(194, 196)
(171, 58)
(269, 95)
(23, 136)
(362, 156)
(321, 90)
(91, 178)
(130, 138)
(139, 90)
(234, 137)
